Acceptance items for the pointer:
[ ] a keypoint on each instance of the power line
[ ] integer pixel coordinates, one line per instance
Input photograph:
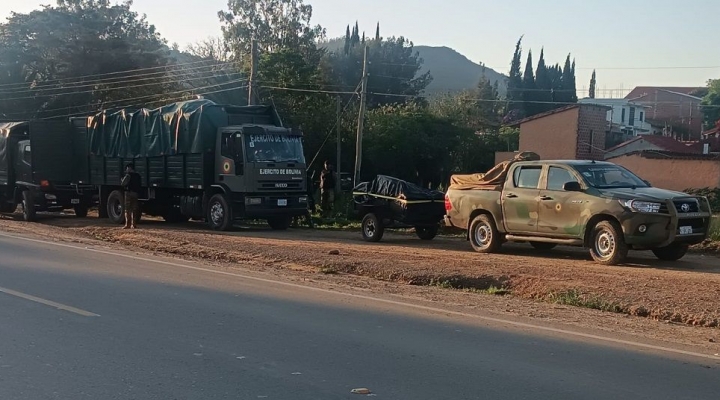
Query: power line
(133, 72)
(108, 81)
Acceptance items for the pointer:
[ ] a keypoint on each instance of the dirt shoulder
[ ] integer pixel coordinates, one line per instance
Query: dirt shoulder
(648, 297)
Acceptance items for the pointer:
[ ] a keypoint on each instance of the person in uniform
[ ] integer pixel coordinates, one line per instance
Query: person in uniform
(131, 183)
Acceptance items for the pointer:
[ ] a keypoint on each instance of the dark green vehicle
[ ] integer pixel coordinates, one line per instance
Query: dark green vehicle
(597, 205)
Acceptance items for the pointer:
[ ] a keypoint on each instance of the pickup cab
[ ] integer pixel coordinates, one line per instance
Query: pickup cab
(597, 205)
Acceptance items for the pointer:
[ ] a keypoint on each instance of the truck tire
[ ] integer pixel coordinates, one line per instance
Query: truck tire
(484, 236)
(81, 210)
(607, 245)
(115, 207)
(543, 246)
(372, 228)
(426, 232)
(219, 213)
(28, 207)
(279, 223)
(673, 252)
(7, 207)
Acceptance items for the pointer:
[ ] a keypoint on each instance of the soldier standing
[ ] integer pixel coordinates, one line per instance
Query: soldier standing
(131, 182)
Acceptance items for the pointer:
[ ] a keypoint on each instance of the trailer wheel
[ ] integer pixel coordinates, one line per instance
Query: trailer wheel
(219, 213)
(174, 216)
(426, 232)
(7, 207)
(115, 208)
(279, 223)
(372, 228)
(81, 210)
(28, 207)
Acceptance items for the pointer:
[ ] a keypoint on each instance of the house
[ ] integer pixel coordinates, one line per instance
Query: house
(652, 143)
(674, 171)
(677, 110)
(573, 132)
(625, 116)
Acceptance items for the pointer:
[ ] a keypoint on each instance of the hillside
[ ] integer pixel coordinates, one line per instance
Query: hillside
(452, 71)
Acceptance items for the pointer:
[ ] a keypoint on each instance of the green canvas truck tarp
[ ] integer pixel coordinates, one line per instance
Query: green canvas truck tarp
(179, 128)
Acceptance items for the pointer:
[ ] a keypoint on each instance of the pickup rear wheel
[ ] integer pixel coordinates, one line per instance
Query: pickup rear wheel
(673, 252)
(608, 245)
(372, 228)
(484, 236)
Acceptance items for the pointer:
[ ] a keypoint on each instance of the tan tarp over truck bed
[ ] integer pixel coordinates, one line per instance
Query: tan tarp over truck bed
(493, 179)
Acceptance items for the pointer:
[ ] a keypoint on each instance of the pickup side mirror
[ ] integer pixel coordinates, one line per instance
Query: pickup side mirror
(572, 187)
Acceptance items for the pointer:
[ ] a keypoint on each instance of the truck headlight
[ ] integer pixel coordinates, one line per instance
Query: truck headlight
(50, 196)
(641, 206)
(303, 199)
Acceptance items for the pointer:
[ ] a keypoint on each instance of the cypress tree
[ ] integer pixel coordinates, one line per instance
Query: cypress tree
(593, 82)
(377, 32)
(514, 91)
(529, 88)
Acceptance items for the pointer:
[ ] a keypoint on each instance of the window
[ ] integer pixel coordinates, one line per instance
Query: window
(27, 155)
(231, 147)
(622, 117)
(527, 177)
(642, 116)
(558, 177)
(631, 118)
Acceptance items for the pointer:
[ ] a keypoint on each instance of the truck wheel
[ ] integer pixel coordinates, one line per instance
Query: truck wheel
(7, 207)
(219, 213)
(608, 245)
(543, 246)
(81, 210)
(279, 223)
(426, 232)
(372, 228)
(28, 207)
(484, 236)
(115, 207)
(673, 252)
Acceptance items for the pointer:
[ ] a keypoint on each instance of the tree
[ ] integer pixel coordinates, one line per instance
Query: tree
(711, 104)
(212, 48)
(514, 90)
(43, 54)
(593, 82)
(544, 86)
(377, 32)
(529, 88)
(274, 24)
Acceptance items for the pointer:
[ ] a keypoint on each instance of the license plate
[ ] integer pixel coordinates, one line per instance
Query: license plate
(282, 202)
(686, 230)
(75, 201)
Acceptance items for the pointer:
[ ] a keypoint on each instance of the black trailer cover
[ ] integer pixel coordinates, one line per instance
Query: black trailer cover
(389, 186)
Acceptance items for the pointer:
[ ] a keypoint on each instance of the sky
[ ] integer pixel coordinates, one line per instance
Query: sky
(630, 42)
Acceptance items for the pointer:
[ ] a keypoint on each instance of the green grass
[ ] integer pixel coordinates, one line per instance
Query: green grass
(574, 298)
(715, 228)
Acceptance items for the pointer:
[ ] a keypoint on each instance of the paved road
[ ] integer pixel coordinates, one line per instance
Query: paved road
(136, 329)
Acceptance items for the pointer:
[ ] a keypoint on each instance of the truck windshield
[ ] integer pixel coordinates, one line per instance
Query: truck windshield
(609, 176)
(274, 148)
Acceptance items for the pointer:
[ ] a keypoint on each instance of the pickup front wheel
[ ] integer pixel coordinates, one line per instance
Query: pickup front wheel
(608, 245)
(484, 236)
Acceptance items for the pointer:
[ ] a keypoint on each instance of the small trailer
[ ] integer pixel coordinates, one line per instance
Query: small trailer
(388, 202)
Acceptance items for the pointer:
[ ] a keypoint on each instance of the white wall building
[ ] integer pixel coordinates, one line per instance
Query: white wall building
(626, 116)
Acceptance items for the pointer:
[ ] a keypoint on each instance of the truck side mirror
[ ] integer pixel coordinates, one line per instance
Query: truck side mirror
(572, 187)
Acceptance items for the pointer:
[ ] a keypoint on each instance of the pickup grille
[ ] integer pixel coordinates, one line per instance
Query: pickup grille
(685, 206)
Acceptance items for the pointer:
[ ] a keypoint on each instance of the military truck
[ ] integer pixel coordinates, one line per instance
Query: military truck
(598, 205)
(40, 167)
(199, 160)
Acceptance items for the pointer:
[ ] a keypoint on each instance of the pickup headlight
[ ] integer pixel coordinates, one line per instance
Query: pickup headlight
(641, 206)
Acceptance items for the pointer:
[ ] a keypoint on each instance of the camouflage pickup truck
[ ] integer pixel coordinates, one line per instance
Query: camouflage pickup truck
(597, 205)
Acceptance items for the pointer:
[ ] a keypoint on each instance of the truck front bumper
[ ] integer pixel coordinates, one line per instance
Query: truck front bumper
(264, 206)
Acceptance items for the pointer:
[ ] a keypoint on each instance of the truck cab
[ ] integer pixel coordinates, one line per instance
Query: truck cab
(39, 169)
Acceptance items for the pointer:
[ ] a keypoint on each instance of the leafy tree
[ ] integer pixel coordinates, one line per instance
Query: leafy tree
(43, 54)
(711, 104)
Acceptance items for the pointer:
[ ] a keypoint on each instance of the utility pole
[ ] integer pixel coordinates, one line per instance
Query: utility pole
(253, 72)
(361, 119)
(338, 185)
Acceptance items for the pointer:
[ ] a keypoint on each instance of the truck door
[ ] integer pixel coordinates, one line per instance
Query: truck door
(520, 199)
(22, 162)
(560, 211)
(230, 165)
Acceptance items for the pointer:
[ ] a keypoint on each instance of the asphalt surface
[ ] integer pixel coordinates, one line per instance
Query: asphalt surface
(76, 324)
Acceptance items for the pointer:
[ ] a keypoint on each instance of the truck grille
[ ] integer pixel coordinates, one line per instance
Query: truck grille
(280, 185)
(687, 206)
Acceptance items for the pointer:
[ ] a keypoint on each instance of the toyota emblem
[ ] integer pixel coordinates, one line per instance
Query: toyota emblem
(685, 207)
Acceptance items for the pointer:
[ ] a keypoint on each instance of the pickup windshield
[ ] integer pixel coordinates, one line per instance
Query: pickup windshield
(274, 148)
(609, 177)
